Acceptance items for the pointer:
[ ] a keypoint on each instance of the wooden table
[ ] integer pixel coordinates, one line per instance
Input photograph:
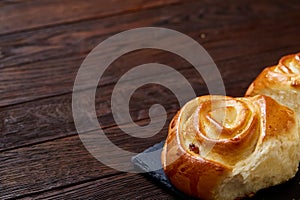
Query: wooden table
(42, 45)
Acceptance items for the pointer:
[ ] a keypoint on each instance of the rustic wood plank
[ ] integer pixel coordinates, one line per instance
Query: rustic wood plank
(115, 187)
(61, 162)
(61, 46)
(81, 37)
(47, 119)
(45, 166)
(36, 14)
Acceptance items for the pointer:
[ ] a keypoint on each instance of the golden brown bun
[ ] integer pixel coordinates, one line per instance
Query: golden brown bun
(281, 82)
(224, 148)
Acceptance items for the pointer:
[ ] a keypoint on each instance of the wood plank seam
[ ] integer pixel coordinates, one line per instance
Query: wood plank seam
(120, 13)
(68, 185)
(112, 83)
(112, 126)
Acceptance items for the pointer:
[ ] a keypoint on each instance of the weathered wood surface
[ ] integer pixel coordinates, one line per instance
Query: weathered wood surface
(43, 43)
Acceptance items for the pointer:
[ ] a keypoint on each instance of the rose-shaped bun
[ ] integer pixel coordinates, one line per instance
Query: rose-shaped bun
(225, 148)
(281, 82)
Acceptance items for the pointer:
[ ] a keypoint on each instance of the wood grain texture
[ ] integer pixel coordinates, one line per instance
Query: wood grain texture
(62, 162)
(47, 166)
(56, 53)
(43, 43)
(103, 189)
(23, 15)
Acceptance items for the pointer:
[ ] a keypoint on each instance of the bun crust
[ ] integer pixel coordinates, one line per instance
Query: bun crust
(285, 75)
(222, 147)
(281, 82)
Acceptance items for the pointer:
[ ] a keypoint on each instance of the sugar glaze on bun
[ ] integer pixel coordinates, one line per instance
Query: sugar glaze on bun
(224, 148)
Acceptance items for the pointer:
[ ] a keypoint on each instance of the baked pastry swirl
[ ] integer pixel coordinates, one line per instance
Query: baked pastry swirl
(281, 82)
(225, 148)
